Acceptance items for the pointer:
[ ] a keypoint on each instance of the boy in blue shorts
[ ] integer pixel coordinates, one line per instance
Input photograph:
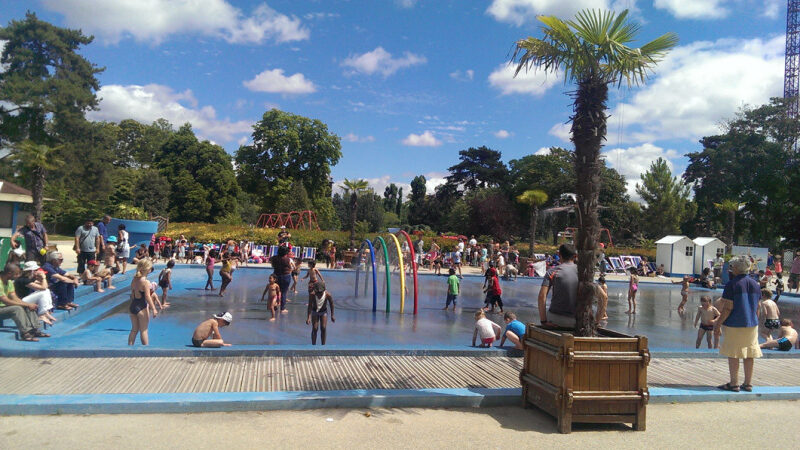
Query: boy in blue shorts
(515, 330)
(453, 289)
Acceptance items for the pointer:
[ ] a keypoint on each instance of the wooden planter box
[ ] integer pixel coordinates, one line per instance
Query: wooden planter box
(596, 380)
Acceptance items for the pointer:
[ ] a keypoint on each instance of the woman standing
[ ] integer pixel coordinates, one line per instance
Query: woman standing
(141, 303)
(282, 268)
(226, 272)
(738, 324)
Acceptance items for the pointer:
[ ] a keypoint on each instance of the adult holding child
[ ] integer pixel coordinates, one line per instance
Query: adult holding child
(282, 268)
(738, 324)
(35, 236)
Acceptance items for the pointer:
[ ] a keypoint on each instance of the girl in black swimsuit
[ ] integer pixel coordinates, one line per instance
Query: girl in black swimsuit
(141, 303)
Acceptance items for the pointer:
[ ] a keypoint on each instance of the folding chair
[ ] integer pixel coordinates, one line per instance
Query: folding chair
(309, 254)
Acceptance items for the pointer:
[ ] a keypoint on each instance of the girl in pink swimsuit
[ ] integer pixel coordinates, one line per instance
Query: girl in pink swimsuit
(633, 286)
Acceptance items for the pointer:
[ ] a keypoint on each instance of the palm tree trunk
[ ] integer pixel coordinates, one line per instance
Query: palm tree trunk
(731, 228)
(353, 209)
(534, 213)
(588, 134)
(37, 191)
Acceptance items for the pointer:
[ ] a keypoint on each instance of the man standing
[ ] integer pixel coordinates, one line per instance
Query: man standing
(562, 280)
(35, 236)
(101, 227)
(87, 241)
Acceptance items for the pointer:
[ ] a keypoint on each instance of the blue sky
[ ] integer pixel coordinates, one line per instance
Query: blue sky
(407, 84)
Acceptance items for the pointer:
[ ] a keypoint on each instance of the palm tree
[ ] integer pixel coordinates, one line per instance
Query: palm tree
(354, 187)
(533, 198)
(591, 51)
(729, 207)
(36, 160)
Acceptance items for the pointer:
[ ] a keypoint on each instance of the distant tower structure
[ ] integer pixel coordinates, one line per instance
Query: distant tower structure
(791, 74)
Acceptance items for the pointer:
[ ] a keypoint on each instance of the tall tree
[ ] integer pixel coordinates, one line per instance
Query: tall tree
(36, 160)
(45, 88)
(354, 188)
(390, 197)
(591, 51)
(399, 208)
(479, 168)
(533, 198)
(287, 146)
(667, 199)
(416, 209)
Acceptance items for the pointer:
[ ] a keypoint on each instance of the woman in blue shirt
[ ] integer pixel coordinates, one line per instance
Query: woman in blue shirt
(738, 324)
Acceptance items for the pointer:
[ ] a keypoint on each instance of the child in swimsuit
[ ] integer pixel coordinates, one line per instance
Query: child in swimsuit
(210, 261)
(226, 272)
(633, 286)
(295, 272)
(486, 329)
(684, 293)
(165, 282)
(313, 275)
(706, 314)
(768, 309)
(318, 312)
(274, 291)
(786, 339)
(207, 333)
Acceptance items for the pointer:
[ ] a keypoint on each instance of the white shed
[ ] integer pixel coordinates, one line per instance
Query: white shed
(676, 253)
(705, 249)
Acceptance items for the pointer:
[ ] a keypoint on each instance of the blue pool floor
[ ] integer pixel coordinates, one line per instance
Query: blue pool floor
(357, 325)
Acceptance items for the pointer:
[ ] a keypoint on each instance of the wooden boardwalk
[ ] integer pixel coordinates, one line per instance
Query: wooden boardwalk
(321, 373)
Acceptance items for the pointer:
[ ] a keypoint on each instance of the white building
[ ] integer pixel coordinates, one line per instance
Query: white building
(676, 253)
(705, 249)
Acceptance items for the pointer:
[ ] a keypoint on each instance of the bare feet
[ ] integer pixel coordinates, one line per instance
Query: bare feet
(284, 311)
(628, 311)
(272, 320)
(111, 287)
(45, 319)
(445, 308)
(101, 290)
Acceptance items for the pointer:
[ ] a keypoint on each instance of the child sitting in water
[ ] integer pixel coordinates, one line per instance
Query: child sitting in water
(274, 299)
(769, 310)
(684, 293)
(786, 339)
(488, 330)
(633, 286)
(207, 333)
(515, 330)
(706, 314)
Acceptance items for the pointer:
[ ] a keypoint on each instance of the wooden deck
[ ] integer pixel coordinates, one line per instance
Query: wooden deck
(321, 373)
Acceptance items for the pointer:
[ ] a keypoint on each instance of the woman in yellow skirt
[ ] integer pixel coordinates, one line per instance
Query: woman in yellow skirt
(738, 324)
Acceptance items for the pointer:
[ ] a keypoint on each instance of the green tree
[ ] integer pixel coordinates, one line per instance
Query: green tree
(533, 198)
(46, 86)
(36, 160)
(296, 199)
(354, 188)
(390, 197)
(399, 209)
(287, 147)
(479, 168)
(203, 182)
(591, 51)
(667, 200)
(729, 208)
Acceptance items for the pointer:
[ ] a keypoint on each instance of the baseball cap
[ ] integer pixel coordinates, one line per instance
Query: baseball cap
(112, 239)
(226, 316)
(30, 265)
(92, 263)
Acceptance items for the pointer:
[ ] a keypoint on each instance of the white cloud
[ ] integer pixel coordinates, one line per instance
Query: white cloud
(561, 131)
(522, 11)
(426, 139)
(155, 20)
(502, 134)
(632, 162)
(350, 137)
(406, 3)
(381, 61)
(533, 82)
(700, 85)
(694, 9)
(319, 16)
(153, 101)
(466, 75)
(276, 82)
(773, 8)
(544, 151)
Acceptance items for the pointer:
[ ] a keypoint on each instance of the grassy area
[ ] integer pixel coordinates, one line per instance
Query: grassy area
(60, 237)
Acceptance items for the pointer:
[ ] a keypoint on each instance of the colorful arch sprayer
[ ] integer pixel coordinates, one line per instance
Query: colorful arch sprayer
(382, 242)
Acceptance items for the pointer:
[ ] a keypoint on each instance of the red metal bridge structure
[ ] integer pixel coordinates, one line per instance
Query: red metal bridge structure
(294, 220)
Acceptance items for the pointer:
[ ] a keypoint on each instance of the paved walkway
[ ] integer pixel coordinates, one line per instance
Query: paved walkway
(326, 373)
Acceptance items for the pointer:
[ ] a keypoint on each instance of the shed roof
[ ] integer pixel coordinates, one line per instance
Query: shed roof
(671, 239)
(703, 241)
(10, 192)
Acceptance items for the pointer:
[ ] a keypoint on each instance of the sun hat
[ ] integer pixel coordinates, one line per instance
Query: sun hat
(319, 287)
(19, 251)
(112, 239)
(226, 316)
(30, 265)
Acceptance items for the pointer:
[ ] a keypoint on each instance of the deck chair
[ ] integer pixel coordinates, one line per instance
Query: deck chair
(309, 254)
(273, 251)
(652, 266)
(609, 267)
(539, 256)
(627, 262)
(616, 264)
(636, 261)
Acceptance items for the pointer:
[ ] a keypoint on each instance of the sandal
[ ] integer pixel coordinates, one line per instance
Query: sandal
(64, 307)
(38, 333)
(28, 337)
(747, 387)
(74, 305)
(728, 387)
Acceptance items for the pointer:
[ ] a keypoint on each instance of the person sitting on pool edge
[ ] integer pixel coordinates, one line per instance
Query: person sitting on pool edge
(207, 333)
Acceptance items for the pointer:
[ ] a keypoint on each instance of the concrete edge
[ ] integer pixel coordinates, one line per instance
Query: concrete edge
(11, 404)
